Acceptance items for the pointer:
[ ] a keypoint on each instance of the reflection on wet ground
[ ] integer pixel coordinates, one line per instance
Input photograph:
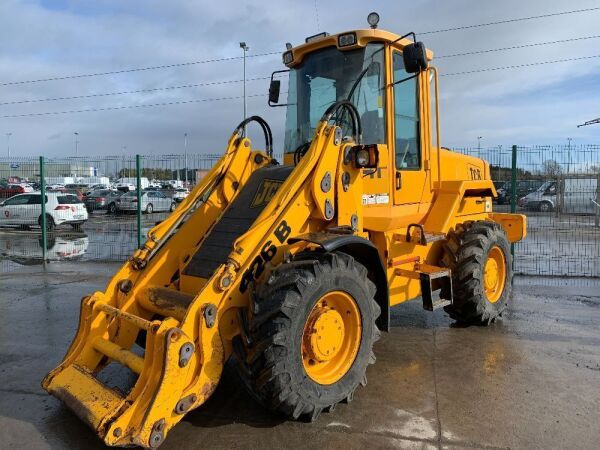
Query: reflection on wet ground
(104, 237)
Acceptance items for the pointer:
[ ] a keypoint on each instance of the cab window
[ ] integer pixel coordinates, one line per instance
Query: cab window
(406, 118)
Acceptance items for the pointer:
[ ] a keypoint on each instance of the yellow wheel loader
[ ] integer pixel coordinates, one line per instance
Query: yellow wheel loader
(291, 269)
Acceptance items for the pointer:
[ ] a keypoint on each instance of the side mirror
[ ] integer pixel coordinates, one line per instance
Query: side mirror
(415, 57)
(274, 89)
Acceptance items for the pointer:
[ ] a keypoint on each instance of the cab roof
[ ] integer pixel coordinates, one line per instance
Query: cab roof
(363, 37)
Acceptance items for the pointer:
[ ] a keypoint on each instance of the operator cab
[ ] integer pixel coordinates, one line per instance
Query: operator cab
(353, 66)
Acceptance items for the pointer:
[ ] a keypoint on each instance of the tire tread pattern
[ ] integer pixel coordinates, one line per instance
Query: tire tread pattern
(264, 350)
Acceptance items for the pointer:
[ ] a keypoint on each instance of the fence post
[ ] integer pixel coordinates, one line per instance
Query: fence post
(138, 187)
(513, 195)
(43, 205)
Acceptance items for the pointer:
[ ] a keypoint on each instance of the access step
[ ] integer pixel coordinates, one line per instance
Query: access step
(436, 284)
(424, 236)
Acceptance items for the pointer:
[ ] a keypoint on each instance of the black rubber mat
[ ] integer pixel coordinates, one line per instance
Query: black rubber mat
(242, 213)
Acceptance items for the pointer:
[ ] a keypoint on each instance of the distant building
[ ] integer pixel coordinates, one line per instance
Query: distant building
(31, 169)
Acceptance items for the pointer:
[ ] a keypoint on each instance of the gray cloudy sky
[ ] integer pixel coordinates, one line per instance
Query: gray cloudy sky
(50, 38)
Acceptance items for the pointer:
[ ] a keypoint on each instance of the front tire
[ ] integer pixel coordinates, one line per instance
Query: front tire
(112, 208)
(545, 207)
(149, 208)
(478, 254)
(310, 338)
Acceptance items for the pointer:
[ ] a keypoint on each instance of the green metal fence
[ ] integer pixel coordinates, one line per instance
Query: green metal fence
(557, 187)
(129, 194)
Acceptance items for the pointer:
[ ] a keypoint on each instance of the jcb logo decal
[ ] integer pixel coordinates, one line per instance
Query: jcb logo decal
(475, 173)
(266, 191)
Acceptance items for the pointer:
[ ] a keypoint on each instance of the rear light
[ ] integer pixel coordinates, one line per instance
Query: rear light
(61, 208)
(134, 200)
(100, 199)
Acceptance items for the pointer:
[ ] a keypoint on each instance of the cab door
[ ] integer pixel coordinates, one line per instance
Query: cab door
(409, 177)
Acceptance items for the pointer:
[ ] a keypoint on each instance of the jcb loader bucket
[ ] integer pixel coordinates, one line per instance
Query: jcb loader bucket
(164, 390)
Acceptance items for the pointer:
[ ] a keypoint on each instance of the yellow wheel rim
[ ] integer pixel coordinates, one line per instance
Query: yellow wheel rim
(494, 274)
(331, 337)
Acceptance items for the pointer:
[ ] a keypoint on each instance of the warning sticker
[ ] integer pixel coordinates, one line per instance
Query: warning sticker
(375, 199)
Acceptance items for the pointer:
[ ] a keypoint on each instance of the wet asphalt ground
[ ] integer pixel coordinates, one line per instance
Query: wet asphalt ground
(529, 381)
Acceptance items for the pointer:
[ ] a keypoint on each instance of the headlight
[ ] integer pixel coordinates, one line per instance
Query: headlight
(288, 57)
(362, 158)
(365, 156)
(344, 40)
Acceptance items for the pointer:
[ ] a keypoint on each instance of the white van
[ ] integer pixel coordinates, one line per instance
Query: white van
(576, 195)
(130, 183)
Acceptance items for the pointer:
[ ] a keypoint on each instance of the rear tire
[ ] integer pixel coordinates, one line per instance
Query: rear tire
(272, 353)
(50, 225)
(112, 208)
(478, 254)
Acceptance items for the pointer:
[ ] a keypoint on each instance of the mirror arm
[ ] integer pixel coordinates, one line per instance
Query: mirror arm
(404, 79)
(271, 104)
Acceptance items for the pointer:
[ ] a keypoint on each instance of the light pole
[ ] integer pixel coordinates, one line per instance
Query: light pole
(569, 150)
(186, 161)
(244, 48)
(125, 172)
(8, 135)
(479, 138)
(76, 136)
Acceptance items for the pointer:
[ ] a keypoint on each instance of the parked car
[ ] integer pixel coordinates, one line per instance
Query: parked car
(79, 186)
(152, 201)
(579, 195)
(103, 199)
(26, 209)
(543, 199)
(524, 187)
(129, 183)
(76, 192)
(180, 194)
(95, 187)
(8, 190)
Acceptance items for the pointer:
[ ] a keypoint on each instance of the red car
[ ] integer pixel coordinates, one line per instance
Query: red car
(8, 190)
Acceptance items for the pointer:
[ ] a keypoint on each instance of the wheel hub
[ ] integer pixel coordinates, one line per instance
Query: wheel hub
(331, 337)
(326, 336)
(494, 274)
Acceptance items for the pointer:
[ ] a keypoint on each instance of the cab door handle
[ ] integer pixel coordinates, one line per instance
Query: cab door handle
(398, 180)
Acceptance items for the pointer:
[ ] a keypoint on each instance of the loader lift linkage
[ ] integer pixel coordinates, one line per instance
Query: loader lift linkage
(292, 269)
